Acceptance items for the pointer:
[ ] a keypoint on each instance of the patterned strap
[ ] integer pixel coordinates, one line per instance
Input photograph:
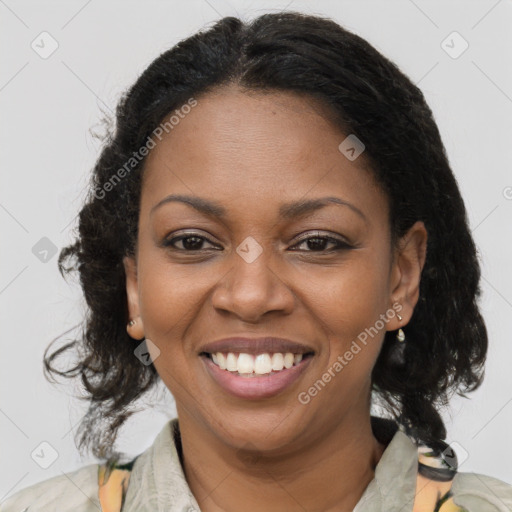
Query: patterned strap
(433, 484)
(436, 471)
(113, 482)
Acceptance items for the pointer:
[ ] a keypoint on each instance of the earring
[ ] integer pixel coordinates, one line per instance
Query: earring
(400, 335)
(131, 323)
(396, 355)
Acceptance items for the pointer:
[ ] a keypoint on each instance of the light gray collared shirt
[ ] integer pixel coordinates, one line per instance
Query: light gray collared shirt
(157, 484)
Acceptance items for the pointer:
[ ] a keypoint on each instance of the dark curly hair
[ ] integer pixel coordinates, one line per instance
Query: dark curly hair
(368, 96)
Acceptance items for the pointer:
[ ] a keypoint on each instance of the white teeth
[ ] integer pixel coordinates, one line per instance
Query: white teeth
(221, 358)
(245, 363)
(231, 362)
(261, 364)
(277, 361)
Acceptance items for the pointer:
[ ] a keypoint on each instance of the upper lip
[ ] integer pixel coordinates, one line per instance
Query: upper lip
(255, 346)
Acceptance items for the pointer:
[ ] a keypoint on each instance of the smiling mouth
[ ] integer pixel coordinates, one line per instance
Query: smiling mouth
(255, 365)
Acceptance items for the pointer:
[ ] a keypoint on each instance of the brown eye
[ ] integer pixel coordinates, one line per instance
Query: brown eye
(320, 244)
(189, 242)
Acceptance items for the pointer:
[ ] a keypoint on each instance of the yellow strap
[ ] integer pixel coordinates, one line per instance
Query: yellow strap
(429, 493)
(112, 488)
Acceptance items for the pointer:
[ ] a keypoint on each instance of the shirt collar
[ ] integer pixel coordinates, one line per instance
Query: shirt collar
(158, 484)
(157, 481)
(394, 484)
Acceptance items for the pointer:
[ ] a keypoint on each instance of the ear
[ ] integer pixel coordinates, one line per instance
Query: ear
(136, 330)
(409, 260)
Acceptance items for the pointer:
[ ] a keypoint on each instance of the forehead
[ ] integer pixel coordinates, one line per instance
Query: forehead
(239, 145)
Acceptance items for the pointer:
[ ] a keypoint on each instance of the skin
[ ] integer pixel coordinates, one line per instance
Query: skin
(252, 152)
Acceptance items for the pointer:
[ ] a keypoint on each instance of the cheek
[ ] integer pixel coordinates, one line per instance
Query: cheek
(349, 303)
(169, 298)
(347, 306)
(352, 296)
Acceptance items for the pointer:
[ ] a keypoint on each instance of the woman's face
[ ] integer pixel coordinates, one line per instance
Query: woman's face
(265, 269)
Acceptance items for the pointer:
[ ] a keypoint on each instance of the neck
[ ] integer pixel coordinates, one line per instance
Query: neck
(330, 473)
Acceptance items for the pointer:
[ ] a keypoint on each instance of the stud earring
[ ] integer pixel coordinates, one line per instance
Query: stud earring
(131, 323)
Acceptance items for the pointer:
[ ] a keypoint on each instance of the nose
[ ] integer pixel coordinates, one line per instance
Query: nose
(251, 289)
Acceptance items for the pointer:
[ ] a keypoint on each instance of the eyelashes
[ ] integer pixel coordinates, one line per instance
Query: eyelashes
(197, 240)
(338, 243)
(194, 243)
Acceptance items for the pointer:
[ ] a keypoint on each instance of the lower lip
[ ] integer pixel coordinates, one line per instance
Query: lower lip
(263, 386)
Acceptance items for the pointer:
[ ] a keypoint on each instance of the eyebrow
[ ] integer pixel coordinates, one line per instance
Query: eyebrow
(286, 211)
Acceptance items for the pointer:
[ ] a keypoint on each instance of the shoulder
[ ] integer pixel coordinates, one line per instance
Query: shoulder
(75, 491)
(482, 493)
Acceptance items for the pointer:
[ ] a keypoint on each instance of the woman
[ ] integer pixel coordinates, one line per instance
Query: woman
(274, 232)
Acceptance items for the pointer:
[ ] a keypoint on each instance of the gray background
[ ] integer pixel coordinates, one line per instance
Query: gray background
(50, 104)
